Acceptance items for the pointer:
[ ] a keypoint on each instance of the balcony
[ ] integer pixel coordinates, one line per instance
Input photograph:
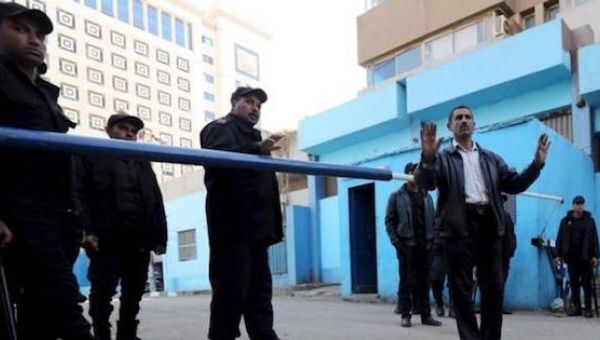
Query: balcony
(589, 74)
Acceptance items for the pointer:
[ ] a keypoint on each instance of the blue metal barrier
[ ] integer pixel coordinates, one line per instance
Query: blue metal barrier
(52, 141)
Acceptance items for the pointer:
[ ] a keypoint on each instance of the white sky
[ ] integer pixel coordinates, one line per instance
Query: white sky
(313, 58)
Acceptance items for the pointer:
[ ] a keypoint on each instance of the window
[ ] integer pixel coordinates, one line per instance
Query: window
(209, 116)
(72, 114)
(165, 20)
(162, 56)
(65, 18)
(190, 38)
(118, 39)
(166, 138)
(37, 4)
(179, 32)
(383, 71)
(529, 21)
(207, 41)
(209, 79)
(119, 61)
(138, 14)
(121, 105)
(93, 30)
(164, 98)
(107, 7)
(165, 118)
(97, 122)
(90, 3)
(69, 91)
(439, 48)
(95, 76)
(163, 77)
(142, 69)
(67, 67)
(96, 99)
(123, 10)
(579, 2)
(120, 84)
(93, 52)
(168, 169)
(552, 12)
(408, 60)
(246, 62)
(152, 20)
(184, 104)
(185, 124)
(140, 48)
(207, 59)
(183, 64)
(67, 43)
(144, 112)
(186, 241)
(209, 96)
(183, 84)
(142, 91)
(185, 142)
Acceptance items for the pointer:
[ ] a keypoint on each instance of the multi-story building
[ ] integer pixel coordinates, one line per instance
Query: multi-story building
(524, 66)
(172, 63)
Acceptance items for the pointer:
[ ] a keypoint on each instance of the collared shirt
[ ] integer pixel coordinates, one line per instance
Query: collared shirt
(475, 189)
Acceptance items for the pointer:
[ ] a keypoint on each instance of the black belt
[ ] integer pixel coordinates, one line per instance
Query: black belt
(478, 208)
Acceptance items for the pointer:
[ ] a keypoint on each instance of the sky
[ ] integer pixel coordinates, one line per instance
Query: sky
(313, 55)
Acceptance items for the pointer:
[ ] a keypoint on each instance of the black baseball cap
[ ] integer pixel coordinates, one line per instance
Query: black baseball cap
(410, 167)
(246, 91)
(12, 9)
(578, 199)
(121, 117)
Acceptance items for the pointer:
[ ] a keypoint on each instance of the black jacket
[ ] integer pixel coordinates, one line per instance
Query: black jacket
(509, 246)
(95, 192)
(30, 176)
(590, 246)
(446, 174)
(399, 221)
(241, 205)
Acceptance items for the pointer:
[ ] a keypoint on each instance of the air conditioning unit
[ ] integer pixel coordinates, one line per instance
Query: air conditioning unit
(500, 27)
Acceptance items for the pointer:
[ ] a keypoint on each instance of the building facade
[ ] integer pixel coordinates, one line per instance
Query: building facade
(525, 67)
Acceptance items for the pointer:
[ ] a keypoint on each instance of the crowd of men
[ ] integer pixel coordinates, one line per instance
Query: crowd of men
(52, 203)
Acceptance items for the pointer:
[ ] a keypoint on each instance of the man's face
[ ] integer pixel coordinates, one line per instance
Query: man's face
(123, 130)
(461, 123)
(247, 107)
(578, 207)
(22, 41)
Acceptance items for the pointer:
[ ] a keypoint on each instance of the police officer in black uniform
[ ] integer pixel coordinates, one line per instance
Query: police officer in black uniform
(36, 206)
(244, 219)
(123, 215)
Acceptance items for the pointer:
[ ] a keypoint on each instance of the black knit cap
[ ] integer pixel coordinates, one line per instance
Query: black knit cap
(12, 9)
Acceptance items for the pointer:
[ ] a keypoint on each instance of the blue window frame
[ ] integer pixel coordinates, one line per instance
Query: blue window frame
(209, 96)
(179, 32)
(91, 3)
(123, 10)
(138, 14)
(152, 20)
(107, 7)
(190, 38)
(167, 30)
(209, 79)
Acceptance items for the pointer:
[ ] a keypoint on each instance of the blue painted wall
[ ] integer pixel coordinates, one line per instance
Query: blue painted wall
(299, 245)
(331, 265)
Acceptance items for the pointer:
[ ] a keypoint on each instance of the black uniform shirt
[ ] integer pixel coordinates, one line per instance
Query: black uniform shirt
(30, 175)
(577, 226)
(418, 215)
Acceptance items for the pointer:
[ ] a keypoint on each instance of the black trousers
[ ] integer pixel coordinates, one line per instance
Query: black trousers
(482, 248)
(241, 285)
(580, 275)
(413, 290)
(125, 262)
(437, 277)
(39, 265)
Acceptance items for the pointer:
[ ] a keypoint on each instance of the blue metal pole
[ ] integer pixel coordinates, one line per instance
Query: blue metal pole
(52, 141)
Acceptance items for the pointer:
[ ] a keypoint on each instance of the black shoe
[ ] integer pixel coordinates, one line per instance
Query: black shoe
(588, 314)
(506, 311)
(439, 310)
(127, 330)
(429, 321)
(406, 322)
(575, 312)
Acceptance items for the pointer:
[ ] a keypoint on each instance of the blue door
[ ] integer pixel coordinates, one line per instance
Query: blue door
(363, 251)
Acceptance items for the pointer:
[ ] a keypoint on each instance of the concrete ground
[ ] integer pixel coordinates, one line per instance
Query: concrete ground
(321, 314)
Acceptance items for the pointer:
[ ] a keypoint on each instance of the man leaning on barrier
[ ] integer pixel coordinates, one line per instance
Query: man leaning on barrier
(244, 219)
(36, 211)
(123, 216)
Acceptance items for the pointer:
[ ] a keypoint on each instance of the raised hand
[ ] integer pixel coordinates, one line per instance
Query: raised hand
(429, 143)
(541, 151)
(268, 144)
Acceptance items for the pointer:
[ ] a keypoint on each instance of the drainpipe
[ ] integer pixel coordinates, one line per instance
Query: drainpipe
(316, 191)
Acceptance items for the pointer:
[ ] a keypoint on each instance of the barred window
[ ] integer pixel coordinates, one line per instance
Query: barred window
(186, 241)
